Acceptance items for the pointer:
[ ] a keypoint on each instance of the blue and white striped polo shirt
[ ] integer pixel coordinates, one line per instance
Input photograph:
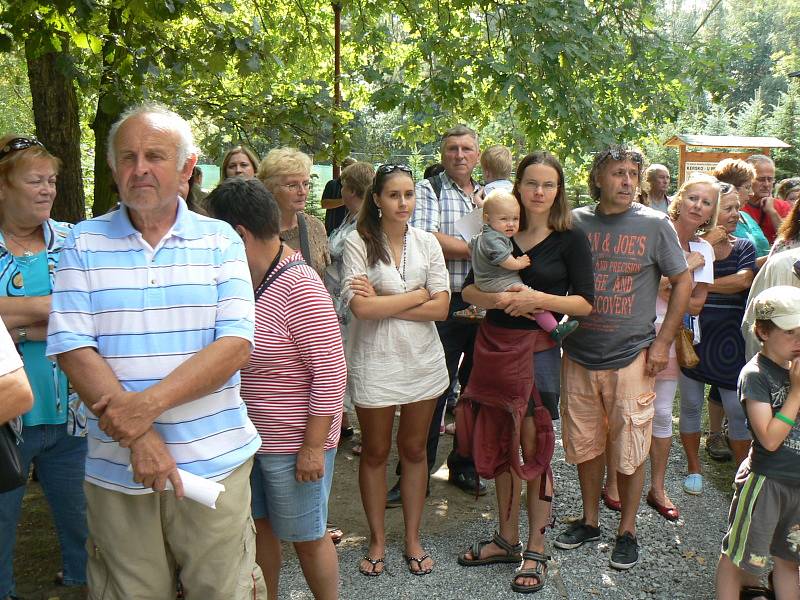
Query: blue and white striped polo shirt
(146, 310)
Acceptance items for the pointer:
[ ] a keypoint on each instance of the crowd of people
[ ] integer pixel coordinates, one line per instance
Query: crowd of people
(187, 337)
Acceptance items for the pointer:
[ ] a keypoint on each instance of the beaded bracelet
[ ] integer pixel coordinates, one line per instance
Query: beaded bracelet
(785, 419)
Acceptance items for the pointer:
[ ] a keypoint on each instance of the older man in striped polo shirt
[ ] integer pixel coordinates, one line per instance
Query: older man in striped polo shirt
(152, 317)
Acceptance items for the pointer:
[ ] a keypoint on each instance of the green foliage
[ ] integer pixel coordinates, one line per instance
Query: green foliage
(566, 75)
(751, 119)
(16, 115)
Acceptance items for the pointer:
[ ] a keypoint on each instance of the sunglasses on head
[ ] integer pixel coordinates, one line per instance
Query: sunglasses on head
(386, 169)
(18, 144)
(726, 188)
(620, 153)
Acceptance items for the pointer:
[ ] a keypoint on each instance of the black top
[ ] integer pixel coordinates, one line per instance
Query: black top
(333, 216)
(561, 264)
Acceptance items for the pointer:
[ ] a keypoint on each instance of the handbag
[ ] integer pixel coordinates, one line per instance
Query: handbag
(11, 474)
(684, 348)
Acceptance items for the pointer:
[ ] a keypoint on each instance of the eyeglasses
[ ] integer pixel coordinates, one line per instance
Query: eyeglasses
(726, 188)
(619, 153)
(19, 144)
(296, 187)
(547, 186)
(386, 169)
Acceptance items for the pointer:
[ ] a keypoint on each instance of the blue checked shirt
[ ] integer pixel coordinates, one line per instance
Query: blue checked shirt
(441, 215)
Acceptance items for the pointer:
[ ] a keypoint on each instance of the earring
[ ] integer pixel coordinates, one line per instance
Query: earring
(380, 213)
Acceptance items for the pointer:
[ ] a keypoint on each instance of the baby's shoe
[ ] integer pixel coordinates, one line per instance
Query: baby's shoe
(562, 330)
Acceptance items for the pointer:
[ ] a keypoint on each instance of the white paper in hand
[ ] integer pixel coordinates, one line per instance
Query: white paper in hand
(470, 224)
(199, 489)
(704, 274)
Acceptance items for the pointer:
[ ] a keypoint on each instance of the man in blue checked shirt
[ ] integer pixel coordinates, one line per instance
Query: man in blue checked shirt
(152, 317)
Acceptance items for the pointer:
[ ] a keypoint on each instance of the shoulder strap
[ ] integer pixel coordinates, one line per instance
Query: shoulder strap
(276, 274)
(302, 229)
(436, 184)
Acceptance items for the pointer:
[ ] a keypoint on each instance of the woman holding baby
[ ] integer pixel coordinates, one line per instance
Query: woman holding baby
(560, 263)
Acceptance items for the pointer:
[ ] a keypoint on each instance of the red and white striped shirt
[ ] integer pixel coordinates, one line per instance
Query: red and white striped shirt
(297, 368)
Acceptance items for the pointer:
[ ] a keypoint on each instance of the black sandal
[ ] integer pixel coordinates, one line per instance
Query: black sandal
(420, 571)
(539, 572)
(374, 562)
(513, 553)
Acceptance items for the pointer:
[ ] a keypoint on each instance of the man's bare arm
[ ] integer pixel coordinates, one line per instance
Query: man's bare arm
(453, 248)
(127, 415)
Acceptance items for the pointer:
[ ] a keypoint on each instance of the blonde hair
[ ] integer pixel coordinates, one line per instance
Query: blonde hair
(283, 161)
(497, 198)
(358, 177)
(696, 178)
(498, 161)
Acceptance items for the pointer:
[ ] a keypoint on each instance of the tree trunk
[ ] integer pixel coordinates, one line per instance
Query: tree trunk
(55, 112)
(105, 196)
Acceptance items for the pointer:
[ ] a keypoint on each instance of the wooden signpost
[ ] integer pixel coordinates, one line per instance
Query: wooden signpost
(705, 161)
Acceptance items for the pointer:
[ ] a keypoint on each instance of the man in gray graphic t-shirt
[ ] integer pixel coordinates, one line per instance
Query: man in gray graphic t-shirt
(611, 360)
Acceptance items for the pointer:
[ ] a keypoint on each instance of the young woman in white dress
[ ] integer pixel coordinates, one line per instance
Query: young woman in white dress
(396, 283)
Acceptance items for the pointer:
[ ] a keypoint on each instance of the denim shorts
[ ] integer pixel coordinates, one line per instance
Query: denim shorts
(297, 511)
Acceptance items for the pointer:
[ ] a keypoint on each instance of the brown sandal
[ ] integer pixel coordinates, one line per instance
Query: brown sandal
(513, 553)
(539, 572)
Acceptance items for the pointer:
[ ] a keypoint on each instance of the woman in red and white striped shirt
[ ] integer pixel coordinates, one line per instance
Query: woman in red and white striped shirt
(293, 387)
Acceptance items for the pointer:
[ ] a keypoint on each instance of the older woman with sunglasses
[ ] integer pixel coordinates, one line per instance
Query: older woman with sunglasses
(286, 172)
(30, 245)
(721, 347)
(396, 284)
(693, 209)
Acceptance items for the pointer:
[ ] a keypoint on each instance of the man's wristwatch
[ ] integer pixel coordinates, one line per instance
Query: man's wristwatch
(22, 335)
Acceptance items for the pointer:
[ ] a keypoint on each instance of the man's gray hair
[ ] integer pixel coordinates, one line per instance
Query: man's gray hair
(458, 131)
(176, 123)
(760, 159)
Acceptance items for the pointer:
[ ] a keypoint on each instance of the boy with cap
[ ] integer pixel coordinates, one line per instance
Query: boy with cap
(764, 519)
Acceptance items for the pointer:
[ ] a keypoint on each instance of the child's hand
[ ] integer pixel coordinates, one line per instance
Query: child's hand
(524, 261)
(794, 373)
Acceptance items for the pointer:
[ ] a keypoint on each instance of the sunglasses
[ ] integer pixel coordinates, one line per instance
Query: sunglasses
(796, 268)
(19, 144)
(726, 188)
(620, 153)
(386, 169)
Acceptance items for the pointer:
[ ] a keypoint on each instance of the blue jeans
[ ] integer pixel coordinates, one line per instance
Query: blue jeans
(60, 461)
(297, 511)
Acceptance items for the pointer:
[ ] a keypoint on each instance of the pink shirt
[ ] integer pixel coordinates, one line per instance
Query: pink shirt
(297, 368)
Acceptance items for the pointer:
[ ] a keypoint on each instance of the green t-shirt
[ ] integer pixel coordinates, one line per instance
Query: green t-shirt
(748, 229)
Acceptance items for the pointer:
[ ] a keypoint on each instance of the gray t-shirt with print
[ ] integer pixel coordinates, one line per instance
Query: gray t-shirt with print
(630, 253)
(489, 248)
(761, 380)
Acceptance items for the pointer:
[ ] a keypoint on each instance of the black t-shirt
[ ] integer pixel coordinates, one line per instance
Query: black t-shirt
(560, 264)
